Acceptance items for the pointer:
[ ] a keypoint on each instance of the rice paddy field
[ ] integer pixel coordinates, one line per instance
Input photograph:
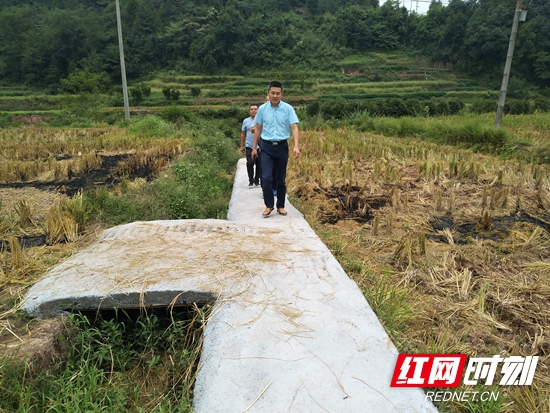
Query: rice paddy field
(125, 361)
(451, 247)
(449, 243)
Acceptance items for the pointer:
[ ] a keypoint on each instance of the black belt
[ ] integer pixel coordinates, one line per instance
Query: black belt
(274, 143)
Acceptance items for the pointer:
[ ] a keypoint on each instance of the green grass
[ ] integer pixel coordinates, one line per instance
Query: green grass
(472, 134)
(358, 59)
(117, 362)
(198, 185)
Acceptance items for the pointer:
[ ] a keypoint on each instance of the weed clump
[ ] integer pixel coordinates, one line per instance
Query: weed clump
(152, 126)
(117, 361)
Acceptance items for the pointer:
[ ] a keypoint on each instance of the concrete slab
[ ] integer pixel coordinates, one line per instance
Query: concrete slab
(289, 332)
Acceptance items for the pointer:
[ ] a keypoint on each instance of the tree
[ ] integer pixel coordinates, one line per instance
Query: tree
(174, 94)
(486, 40)
(146, 90)
(195, 91)
(137, 95)
(83, 81)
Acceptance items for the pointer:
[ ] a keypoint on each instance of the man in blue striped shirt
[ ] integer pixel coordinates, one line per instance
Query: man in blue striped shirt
(275, 122)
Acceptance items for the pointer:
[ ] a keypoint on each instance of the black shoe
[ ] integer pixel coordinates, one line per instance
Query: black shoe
(251, 185)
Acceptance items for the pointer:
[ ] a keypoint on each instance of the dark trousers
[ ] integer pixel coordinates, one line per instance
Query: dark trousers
(274, 157)
(250, 164)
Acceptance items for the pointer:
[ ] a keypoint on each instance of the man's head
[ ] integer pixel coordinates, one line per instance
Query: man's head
(275, 92)
(252, 110)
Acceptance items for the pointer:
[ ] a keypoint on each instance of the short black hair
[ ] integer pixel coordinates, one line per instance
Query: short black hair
(275, 84)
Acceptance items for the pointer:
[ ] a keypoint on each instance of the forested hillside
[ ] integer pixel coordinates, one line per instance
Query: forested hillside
(44, 42)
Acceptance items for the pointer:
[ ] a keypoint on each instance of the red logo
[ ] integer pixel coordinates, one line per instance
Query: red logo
(428, 370)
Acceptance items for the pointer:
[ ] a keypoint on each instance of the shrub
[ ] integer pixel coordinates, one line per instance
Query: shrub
(137, 95)
(174, 113)
(152, 126)
(171, 94)
(517, 107)
(4, 120)
(395, 108)
(542, 104)
(438, 107)
(483, 105)
(174, 94)
(336, 109)
(475, 135)
(195, 91)
(313, 108)
(455, 106)
(202, 183)
(146, 90)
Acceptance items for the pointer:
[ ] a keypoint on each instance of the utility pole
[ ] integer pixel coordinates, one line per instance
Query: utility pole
(122, 67)
(507, 66)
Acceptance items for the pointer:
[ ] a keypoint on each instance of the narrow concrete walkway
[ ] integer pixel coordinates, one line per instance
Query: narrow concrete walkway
(289, 332)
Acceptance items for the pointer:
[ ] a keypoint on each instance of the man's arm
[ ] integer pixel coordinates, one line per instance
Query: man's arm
(243, 136)
(257, 134)
(295, 135)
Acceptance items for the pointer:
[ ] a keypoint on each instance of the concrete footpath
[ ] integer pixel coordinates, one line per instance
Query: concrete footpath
(289, 332)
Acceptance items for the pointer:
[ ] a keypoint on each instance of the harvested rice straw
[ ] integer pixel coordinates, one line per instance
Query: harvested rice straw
(285, 340)
(316, 402)
(298, 334)
(541, 267)
(330, 296)
(294, 398)
(221, 302)
(464, 288)
(172, 304)
(376, 390)
(334, 374)
(291, 315)
(257, 398)
(12, 333)
(448, 234)
(265, 305)
(15, 249)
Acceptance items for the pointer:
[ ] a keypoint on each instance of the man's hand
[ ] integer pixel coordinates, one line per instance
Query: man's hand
(295, 135)
(242, 148)
(254, 153)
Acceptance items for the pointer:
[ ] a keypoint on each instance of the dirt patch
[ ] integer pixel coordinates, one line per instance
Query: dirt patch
(344, 202)
(43, 347)
(104, 175)
(496, 229)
